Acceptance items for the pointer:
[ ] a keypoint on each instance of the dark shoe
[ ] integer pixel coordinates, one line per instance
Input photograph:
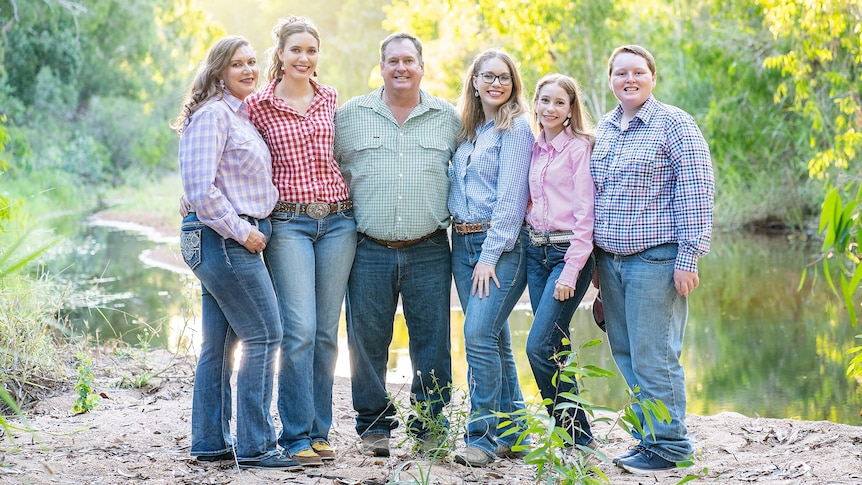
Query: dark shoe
(645, 463)
(227, 456)
(274, 462)
(473, 456)
(307, 458)
(323, 450)
(504, 451)
(375, 445)
(632, 452)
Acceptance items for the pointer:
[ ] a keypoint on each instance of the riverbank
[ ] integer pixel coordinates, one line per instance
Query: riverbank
(143, 434)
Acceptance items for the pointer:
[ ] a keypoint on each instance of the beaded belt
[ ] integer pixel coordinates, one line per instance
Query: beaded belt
(403, 244)
(464, 228)
(315, 210)
(546, 238)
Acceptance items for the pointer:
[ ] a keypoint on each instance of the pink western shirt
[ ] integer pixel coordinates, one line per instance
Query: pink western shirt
(562, 196)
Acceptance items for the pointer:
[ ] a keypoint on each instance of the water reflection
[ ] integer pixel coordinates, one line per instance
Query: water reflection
(754, 344)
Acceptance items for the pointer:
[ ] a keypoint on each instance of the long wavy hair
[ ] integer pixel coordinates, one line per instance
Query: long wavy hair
(470, 105)
(208, 81)
(580, 123)
(284, 28)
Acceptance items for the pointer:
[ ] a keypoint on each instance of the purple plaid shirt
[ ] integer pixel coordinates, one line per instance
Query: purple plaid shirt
(226, 168)
(654, 183)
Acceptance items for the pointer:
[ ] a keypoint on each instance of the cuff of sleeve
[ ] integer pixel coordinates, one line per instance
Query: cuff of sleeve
(686, 262)
(490, 259)
(567, 277)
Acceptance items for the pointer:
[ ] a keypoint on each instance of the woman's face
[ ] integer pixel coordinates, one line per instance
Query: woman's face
(494, 84)
(299, 56)
(553, 108)
(240, 76)
(631, 80)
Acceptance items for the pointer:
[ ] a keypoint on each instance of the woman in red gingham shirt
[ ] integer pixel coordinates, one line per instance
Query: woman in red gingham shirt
(313, 235)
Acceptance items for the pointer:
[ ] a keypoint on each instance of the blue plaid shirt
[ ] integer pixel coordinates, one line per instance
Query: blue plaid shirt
(654, 183)
(490, 181)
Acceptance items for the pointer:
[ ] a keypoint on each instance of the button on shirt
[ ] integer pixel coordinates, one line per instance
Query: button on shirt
(226, 168)
(654, 183)
(397, 174)
(304, 168)
(489, 182)
(563, 196)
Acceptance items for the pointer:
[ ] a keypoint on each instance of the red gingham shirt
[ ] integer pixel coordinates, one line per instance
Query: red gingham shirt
(303, 166)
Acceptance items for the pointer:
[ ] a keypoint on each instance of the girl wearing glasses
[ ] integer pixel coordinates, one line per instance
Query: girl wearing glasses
(488, 199)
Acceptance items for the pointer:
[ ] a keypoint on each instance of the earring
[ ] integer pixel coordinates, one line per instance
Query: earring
(314, 73)
(476, 93)
(568, 121)
(221, 83)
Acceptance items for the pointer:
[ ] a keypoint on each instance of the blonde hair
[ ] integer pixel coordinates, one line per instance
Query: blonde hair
(208, 80)
(284, 28)
(470, 105)
(580, 123)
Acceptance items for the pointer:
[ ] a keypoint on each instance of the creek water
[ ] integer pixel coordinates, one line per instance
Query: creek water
(756, 343)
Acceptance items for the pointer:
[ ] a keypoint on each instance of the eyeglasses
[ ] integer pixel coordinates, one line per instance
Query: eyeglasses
(490, 77)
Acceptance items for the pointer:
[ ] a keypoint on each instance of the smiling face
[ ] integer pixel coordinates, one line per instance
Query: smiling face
(631, 80)
(299, 55)
(402, 67)
(498, 91)
(240, 75)
(553, 108)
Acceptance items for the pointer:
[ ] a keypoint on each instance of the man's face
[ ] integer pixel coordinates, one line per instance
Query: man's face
(401, 69)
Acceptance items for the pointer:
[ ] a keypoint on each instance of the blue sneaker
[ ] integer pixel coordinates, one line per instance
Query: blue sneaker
(645, 463)
(632, 452)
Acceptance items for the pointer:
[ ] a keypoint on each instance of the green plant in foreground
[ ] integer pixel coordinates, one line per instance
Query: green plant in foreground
(85, 386)
(554, 452)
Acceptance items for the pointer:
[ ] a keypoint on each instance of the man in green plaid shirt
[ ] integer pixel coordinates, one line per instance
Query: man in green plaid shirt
(394, 146)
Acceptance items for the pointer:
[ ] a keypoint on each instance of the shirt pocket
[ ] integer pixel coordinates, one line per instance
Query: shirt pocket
(246, 148)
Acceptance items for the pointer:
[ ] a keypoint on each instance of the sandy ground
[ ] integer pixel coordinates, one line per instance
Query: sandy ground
(137, 435)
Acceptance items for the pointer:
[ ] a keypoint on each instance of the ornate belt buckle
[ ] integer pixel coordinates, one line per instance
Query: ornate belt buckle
(537, 238)
(318, 210)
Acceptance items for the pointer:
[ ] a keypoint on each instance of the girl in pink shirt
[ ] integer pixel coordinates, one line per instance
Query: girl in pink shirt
(560, 226)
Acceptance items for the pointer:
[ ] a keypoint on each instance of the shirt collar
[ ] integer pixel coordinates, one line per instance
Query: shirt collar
(645, 113)
(233, 102)
(375, 101)
(558, 142)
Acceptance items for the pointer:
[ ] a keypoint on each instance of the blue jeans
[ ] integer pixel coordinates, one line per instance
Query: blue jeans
(239, 306)
(309, 261)
(551, 321)
(492, 375)
(422, 275)
(646, 322)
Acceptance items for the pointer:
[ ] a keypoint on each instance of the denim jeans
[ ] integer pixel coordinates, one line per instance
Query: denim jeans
(421, 275)
(239, 306)
(491, 372)
(309, 261)
(551, 321)
(646, 322)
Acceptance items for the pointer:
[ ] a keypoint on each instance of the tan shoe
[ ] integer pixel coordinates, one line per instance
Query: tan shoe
(474, 457)
(323, 450)
(307, 458)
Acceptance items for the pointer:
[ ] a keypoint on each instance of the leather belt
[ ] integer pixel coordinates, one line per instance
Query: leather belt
(464, 228)
(403, 244)
(546, 238)
(315, 210)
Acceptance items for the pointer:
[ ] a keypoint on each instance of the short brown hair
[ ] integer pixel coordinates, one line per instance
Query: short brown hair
(632, 49)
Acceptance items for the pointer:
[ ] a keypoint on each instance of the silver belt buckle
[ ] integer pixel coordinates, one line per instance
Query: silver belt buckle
(317, 210)
(537, 238)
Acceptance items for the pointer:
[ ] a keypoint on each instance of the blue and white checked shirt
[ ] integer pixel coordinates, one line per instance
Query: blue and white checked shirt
(226, 168)
(654, 183)
(490, 181)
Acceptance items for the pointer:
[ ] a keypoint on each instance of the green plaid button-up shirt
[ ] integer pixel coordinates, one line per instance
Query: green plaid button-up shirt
(398, 174)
